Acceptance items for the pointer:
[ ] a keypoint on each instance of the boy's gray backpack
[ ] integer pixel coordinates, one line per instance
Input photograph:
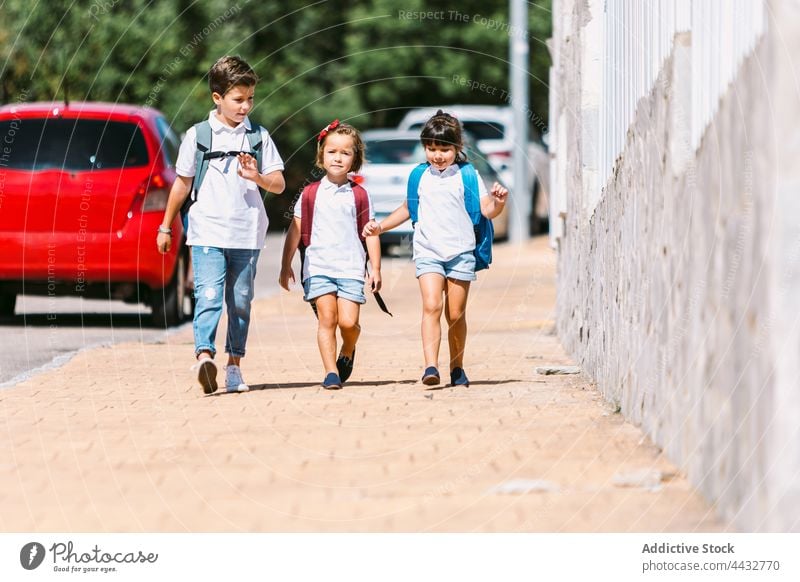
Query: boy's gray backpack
(203, 155)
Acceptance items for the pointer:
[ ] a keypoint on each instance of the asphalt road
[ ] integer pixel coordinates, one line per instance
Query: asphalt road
(47, 331)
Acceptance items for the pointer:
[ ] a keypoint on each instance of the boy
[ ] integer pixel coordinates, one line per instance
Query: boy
(227, 223)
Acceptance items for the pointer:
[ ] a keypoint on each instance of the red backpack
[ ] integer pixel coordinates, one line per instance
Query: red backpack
(362, 218)
(310, 197)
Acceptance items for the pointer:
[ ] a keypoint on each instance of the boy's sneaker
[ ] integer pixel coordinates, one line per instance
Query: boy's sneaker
(345, 365)
(458, 377)
(206, 370)
(431, 376)
(233, 379)
(332, 381)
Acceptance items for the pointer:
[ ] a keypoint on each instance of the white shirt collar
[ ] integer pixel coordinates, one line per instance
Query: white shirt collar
(325, 183)
(450, 170)
(217, 126)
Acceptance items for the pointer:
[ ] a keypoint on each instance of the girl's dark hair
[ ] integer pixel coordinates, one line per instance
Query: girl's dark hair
(228, 72)
(358, 145)
(444, 130)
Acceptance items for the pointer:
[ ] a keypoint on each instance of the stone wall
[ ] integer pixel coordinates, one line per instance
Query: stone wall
(679, 291)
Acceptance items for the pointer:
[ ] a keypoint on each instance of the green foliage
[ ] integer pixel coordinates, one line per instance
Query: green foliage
(366, 62)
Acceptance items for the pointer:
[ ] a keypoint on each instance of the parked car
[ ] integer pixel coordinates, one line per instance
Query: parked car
(391, 155)
(493, 128)
(83, 187)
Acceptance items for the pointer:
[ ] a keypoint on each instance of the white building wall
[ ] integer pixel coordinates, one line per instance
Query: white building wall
(678, 237)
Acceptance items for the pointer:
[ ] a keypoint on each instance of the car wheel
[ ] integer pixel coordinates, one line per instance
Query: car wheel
(170, 304)
(8, 302)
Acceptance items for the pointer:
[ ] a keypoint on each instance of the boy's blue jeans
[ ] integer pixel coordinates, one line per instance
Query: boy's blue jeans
(218, 271)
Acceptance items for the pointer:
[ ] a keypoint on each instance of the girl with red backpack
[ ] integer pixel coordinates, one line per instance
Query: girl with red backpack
(451, 212)
(328, 220)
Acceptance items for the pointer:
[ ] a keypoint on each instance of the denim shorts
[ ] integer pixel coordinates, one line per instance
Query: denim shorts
(350, 289)
(461, 267)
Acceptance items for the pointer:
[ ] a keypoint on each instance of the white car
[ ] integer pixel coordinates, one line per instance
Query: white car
(391, 155)
(493, 128)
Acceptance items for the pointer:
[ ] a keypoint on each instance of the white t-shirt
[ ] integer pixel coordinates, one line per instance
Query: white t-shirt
(335, 249)
(444, 229)
(229, 212)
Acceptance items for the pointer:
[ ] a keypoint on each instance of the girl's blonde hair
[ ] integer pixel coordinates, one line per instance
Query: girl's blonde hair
(358, 144)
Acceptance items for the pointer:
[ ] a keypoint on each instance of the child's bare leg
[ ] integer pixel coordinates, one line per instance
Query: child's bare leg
(234, 360)
(431, 286)
(456, 293)
(348, 324)
(327, 312)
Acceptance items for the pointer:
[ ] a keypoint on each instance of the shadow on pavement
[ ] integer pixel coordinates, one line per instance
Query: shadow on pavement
(494, 382)
(284, 385)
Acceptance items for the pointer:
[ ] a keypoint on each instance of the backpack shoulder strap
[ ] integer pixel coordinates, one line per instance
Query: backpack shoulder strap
(257, 147)
(472, 198)
(307, 217)
(362, 207)
(256, 144)
(203, 146)
(412, 190)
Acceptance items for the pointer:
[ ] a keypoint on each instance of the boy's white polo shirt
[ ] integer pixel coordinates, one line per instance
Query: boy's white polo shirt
(444, 229)
(229, 212)
(335, 249)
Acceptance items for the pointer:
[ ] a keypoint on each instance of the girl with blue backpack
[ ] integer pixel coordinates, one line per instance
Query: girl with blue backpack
(451, 212)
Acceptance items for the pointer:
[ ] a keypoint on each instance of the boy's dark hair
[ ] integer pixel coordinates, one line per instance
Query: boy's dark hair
(228, 72)
(444, 130)
(358, 145)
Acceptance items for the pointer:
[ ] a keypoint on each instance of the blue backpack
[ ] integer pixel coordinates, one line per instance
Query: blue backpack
(484, 230)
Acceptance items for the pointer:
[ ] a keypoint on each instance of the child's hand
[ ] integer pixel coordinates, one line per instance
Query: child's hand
(499, 193)
(287, 274)
(164, 242)
(374, 281)
(372, 228)
(248, 168)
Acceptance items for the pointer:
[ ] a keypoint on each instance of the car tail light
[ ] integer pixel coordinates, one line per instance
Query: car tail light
(155, 194)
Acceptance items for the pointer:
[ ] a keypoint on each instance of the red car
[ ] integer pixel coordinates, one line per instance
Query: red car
(83, 187)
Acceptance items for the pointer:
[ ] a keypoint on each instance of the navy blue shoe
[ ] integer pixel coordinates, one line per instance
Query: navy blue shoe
(458, 377)
(431, 376)
(345, 365)
(332, 381)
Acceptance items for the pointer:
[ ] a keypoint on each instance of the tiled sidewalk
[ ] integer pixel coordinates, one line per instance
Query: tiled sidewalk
(122, 439)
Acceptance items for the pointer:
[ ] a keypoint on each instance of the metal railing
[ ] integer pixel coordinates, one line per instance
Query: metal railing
(637, 38)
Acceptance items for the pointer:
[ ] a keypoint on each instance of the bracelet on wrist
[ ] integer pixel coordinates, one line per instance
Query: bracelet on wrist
(165, 230)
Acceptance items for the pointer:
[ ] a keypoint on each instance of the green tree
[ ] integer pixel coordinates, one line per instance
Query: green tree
(405, 60)
(365, 62)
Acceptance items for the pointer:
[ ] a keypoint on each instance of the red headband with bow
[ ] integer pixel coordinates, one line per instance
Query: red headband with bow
(332, 125)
